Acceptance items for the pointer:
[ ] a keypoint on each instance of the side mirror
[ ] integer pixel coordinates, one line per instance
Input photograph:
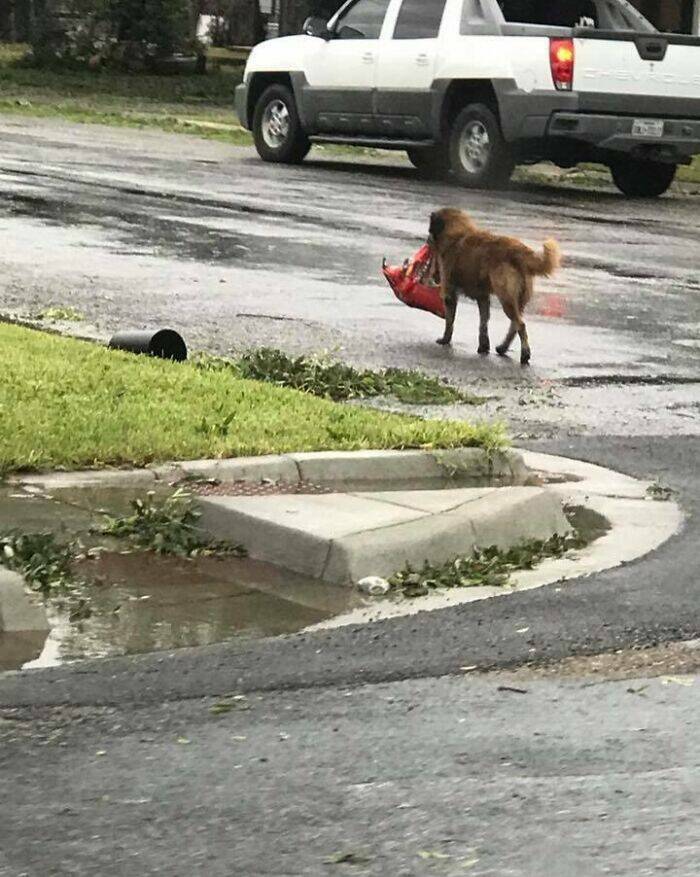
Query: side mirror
(314, 26)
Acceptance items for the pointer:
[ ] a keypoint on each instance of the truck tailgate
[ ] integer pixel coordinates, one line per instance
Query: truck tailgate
(661, 65)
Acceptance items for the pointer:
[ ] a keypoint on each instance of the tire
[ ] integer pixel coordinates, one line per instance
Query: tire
(480, 158)
(637, 178)
(431, 161)
(277, 130)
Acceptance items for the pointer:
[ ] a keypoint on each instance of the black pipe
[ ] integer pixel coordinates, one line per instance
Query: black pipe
(162, 343)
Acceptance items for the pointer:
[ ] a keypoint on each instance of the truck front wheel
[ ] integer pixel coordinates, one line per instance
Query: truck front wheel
(637, 178)
(277, 130)
(480, 158)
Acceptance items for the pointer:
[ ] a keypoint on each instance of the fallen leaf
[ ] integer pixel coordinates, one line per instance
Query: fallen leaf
(432, 854)
(348, 858)
(221, 707)
(523, 630)
(640, 691)
(677, 680)
(512, 689)
(469, 669)
(183, 740)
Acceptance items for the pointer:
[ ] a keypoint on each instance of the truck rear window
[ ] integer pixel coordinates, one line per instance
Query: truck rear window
(568, 13)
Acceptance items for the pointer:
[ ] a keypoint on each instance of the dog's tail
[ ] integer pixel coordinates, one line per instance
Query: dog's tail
(548, 262)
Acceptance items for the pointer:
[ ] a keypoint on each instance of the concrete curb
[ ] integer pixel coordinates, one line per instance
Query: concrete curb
(18, 612)
(638, 526)
(465, 464)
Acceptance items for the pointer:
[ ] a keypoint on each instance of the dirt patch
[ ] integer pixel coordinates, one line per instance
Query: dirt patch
(672, 659)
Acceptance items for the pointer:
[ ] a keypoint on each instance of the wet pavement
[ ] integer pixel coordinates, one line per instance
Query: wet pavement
(136, 229)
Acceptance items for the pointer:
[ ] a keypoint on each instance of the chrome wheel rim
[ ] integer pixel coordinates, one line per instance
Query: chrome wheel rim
(275, 124)
(474, 147)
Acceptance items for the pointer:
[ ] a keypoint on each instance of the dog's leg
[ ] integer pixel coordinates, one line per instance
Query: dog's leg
(450, 314)
(484, 316)
(516, 322)
(524, 345)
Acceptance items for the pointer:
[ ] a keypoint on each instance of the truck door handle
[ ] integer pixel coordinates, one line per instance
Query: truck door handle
(368, 57)
(422, 60)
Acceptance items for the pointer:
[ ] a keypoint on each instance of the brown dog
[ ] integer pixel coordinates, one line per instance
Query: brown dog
(480, 264)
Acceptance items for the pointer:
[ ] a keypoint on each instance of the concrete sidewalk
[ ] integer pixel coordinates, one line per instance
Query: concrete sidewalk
(343, 537)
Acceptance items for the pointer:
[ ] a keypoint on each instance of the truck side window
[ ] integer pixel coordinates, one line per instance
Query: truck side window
(419, 19)
(363, 21)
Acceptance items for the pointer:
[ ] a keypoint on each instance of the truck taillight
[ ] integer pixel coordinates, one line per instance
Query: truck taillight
(561, 60)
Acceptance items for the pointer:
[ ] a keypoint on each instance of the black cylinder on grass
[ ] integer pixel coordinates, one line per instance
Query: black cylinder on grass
(163, 343)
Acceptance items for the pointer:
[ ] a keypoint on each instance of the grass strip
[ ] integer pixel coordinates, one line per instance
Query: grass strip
(71, 404)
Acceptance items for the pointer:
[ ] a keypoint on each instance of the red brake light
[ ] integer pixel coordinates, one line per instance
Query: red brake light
(561, 60)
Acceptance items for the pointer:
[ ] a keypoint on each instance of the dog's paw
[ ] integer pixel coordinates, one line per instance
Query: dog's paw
(525, 358)
(501, 350)
(484, 349)
(444, 342)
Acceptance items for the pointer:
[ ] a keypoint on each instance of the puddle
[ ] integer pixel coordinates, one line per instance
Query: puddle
(145, 603)
(141, 602)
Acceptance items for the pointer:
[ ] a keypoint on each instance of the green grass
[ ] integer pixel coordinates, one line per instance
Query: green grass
(181, 103)
(71, 404)
(592, 176)
(691, 173)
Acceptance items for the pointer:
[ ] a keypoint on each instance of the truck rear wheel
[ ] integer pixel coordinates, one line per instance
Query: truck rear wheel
(277, 130)
(431, 161)
(480, 158)
(637, 178)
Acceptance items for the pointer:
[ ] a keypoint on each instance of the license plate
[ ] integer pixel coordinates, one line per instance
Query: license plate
(647, 128)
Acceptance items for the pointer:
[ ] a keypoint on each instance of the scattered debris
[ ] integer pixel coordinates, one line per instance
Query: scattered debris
(432, 854)
(374, 586)
(660, 493)
(227, 705)
(677, 680)
(640, 691)
(487, 567)
(167, 526)
(348, 858)
(512, 689)
(59, 314)
(322, 376)
(47, 567)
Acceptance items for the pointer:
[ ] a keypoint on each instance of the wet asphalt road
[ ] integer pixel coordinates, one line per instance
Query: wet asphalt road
(136, 229)
(354, 743)
(437, 777)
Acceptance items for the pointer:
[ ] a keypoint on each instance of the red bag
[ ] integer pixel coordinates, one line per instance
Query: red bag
(408, 286)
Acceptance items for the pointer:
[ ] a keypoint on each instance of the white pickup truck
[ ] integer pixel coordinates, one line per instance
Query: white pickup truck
(474, 87)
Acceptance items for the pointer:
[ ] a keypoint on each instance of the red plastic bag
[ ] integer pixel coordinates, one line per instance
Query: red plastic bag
(407, 283)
